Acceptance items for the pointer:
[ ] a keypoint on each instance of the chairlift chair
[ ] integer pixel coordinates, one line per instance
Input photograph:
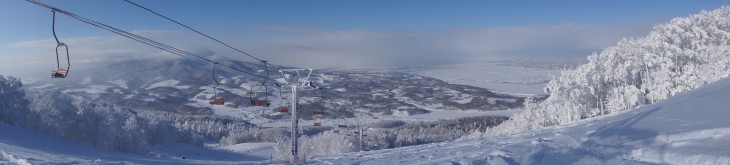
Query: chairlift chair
(216, 100)
(284, 106)
(318, 119)
(255, 96)
(317, 122)
(59, 72)
(262, 103)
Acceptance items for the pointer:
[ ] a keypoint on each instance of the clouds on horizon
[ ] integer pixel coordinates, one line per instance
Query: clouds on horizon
(311, 48)
(397, 48)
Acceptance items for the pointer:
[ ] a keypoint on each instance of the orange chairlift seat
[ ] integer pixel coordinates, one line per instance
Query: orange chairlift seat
(263, 103)
(218, 101)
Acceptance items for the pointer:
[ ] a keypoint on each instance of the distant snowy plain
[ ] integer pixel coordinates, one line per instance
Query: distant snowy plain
(512, 76)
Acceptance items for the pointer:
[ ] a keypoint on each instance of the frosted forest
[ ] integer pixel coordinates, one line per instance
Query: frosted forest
(675, 57)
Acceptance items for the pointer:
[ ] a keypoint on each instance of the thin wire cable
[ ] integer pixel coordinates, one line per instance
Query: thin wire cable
(196, 31)
(266, 64)
(147, 41)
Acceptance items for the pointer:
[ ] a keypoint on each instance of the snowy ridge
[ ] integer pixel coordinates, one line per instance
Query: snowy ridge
(678, 56)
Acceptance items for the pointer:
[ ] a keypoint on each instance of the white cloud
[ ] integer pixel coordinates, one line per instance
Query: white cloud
(39, 55)
(289, 29)
(368, 47)
(310, 48)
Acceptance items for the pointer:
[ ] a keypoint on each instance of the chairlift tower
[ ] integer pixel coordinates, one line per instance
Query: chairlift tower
(295, 84)
(361, 132)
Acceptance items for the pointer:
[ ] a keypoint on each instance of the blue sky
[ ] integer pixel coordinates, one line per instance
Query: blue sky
(340, 33)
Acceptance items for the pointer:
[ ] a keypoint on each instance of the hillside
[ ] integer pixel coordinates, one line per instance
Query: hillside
(186, 87)
(690, 128)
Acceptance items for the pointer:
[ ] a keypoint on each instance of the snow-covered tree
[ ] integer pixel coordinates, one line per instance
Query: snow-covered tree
(13, 105)
(678, 56)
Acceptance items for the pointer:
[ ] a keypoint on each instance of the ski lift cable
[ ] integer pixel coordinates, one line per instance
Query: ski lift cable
(122, 33)
(144, 40)
(196, 31)
(117, 31)
(265, 62)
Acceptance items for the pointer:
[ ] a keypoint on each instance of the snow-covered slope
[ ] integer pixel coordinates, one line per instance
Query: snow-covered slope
(690, 128)
(22, 145)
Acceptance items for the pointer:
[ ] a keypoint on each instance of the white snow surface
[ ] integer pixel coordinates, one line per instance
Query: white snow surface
(119, 82)
(168, 83)
(21, 145)
(93, 89)
(690, 128)
(500, 76)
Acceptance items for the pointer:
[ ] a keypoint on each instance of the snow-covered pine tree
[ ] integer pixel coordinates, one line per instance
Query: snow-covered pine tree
(678, 56)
